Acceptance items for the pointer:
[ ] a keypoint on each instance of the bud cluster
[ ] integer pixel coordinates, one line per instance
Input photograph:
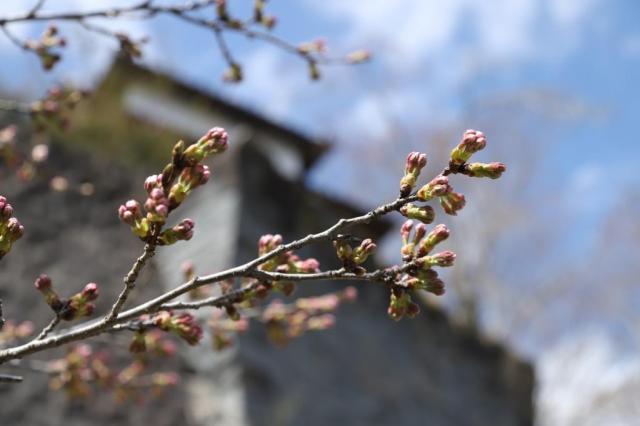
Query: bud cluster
(287, 262)
(450, 200)
(10, 228)
(166, 191)
(352, 258)
(81, 369)
(152, 342)
(128, 47)
(55, 107)
(11, 332)
(285, 322)
(259, 17)
(77, 306)
(183, 325)
(417, 249)
(8, 152)
(401, 305)
(420, 276)
(222, 328)
(46, 47)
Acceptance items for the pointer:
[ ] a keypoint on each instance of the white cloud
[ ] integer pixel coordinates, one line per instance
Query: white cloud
(587, 380)
(416, 30)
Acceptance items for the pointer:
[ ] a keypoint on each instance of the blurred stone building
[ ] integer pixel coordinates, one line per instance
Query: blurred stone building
(368, 370)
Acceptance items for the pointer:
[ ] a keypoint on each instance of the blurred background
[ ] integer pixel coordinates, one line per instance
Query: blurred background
(547, 255)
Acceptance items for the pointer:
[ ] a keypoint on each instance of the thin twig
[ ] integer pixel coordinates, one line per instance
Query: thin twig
(36, 8)
(49, 328)
(131, 277)
(13, 39)
(145, 7)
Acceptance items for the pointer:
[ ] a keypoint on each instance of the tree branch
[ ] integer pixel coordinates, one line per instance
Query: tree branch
(248, 269)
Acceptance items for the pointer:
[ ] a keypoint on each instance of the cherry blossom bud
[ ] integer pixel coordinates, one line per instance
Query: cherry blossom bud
(363, 251)
(405, 231)
(138, 343)
(416, 161)
(358, 56)
(233, 74)
(419, 232)
(215, 141)
(308, 266)
(472, 142)
(424, 214)
(344, 251)
(443, 259)
(177, 153)
(490, 170)
(438, 187)
(285, 287)
(90, 291)
(452, 202)
(314, 71)
(181, 232)
(130, 212)
(221, 10)
(438, 234)
(11, 229)
(153, 181)
(44, 285)
(269, 21)
(79, 304)
(157, 206)
(321, 322)
(399, 304)
(267, 243)
(188, 270)
(184, 325)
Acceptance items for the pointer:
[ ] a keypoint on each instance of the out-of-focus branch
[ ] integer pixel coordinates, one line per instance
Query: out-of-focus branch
(256, 28)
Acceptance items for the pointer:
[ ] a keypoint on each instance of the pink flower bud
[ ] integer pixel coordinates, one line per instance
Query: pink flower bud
(424, 214)
(90, 291)
(308, 266)
(130, 212)
(362, 252)
(443, 259)
(350, 294)
(452, 202)
(43, 283)
(415, 162)
(153, 181)
(490, 170)
(438, 234)
(437, 187)
(216, 139)
(472, 142)
(405, 230)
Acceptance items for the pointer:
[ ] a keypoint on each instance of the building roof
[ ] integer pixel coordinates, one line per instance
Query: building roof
(309, 148)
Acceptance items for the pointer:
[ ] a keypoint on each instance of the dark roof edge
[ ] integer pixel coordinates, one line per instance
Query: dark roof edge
(312, 149)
